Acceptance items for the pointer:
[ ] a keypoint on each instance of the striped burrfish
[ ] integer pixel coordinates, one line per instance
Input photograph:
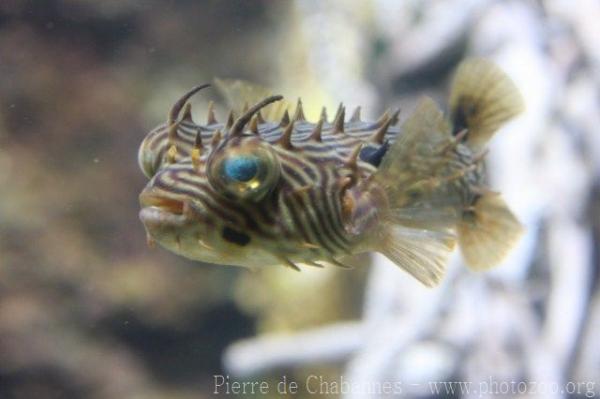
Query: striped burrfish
(263, 188)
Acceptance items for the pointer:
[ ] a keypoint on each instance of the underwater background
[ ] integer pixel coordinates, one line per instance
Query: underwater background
(87, 310)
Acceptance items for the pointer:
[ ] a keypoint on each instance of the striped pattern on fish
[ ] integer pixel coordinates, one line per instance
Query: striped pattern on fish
(256, 191)
(333, 140)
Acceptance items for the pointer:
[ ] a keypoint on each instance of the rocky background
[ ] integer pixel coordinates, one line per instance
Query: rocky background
(88, 311)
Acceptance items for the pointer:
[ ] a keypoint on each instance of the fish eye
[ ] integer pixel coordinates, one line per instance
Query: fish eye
(244, 172)
(242, 168)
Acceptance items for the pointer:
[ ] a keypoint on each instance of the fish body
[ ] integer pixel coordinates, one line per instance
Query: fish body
(256, 191)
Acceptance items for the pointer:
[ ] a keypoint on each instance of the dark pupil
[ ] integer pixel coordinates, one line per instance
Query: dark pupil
(242, 168)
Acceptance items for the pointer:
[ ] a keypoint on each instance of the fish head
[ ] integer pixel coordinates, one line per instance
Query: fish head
(209, 208)
(247, 202)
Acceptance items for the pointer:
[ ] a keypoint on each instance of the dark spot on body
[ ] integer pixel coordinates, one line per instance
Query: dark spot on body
(476, 197)
(235, 236)
(374, 155)
(414, 194)
(462, 115)
(469, 214)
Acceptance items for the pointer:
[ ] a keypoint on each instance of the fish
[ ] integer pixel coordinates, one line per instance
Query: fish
(263, 188)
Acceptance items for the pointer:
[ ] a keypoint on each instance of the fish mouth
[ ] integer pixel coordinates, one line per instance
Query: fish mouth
(161, 211)
(170, 205)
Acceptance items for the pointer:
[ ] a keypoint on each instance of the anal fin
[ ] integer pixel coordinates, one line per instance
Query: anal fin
(422, 253)
(487, 232)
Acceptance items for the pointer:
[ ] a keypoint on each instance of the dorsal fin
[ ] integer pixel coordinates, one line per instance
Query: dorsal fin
(482, 99)
(406, 171)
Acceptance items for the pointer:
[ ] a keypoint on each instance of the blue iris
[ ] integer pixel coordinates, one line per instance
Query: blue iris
(240, 168)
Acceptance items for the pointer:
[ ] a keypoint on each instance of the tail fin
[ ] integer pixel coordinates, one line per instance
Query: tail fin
(487, 232)
(482, 98)
(425, 208)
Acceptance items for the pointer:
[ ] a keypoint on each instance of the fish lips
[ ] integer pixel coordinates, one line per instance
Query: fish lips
(159, 211)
